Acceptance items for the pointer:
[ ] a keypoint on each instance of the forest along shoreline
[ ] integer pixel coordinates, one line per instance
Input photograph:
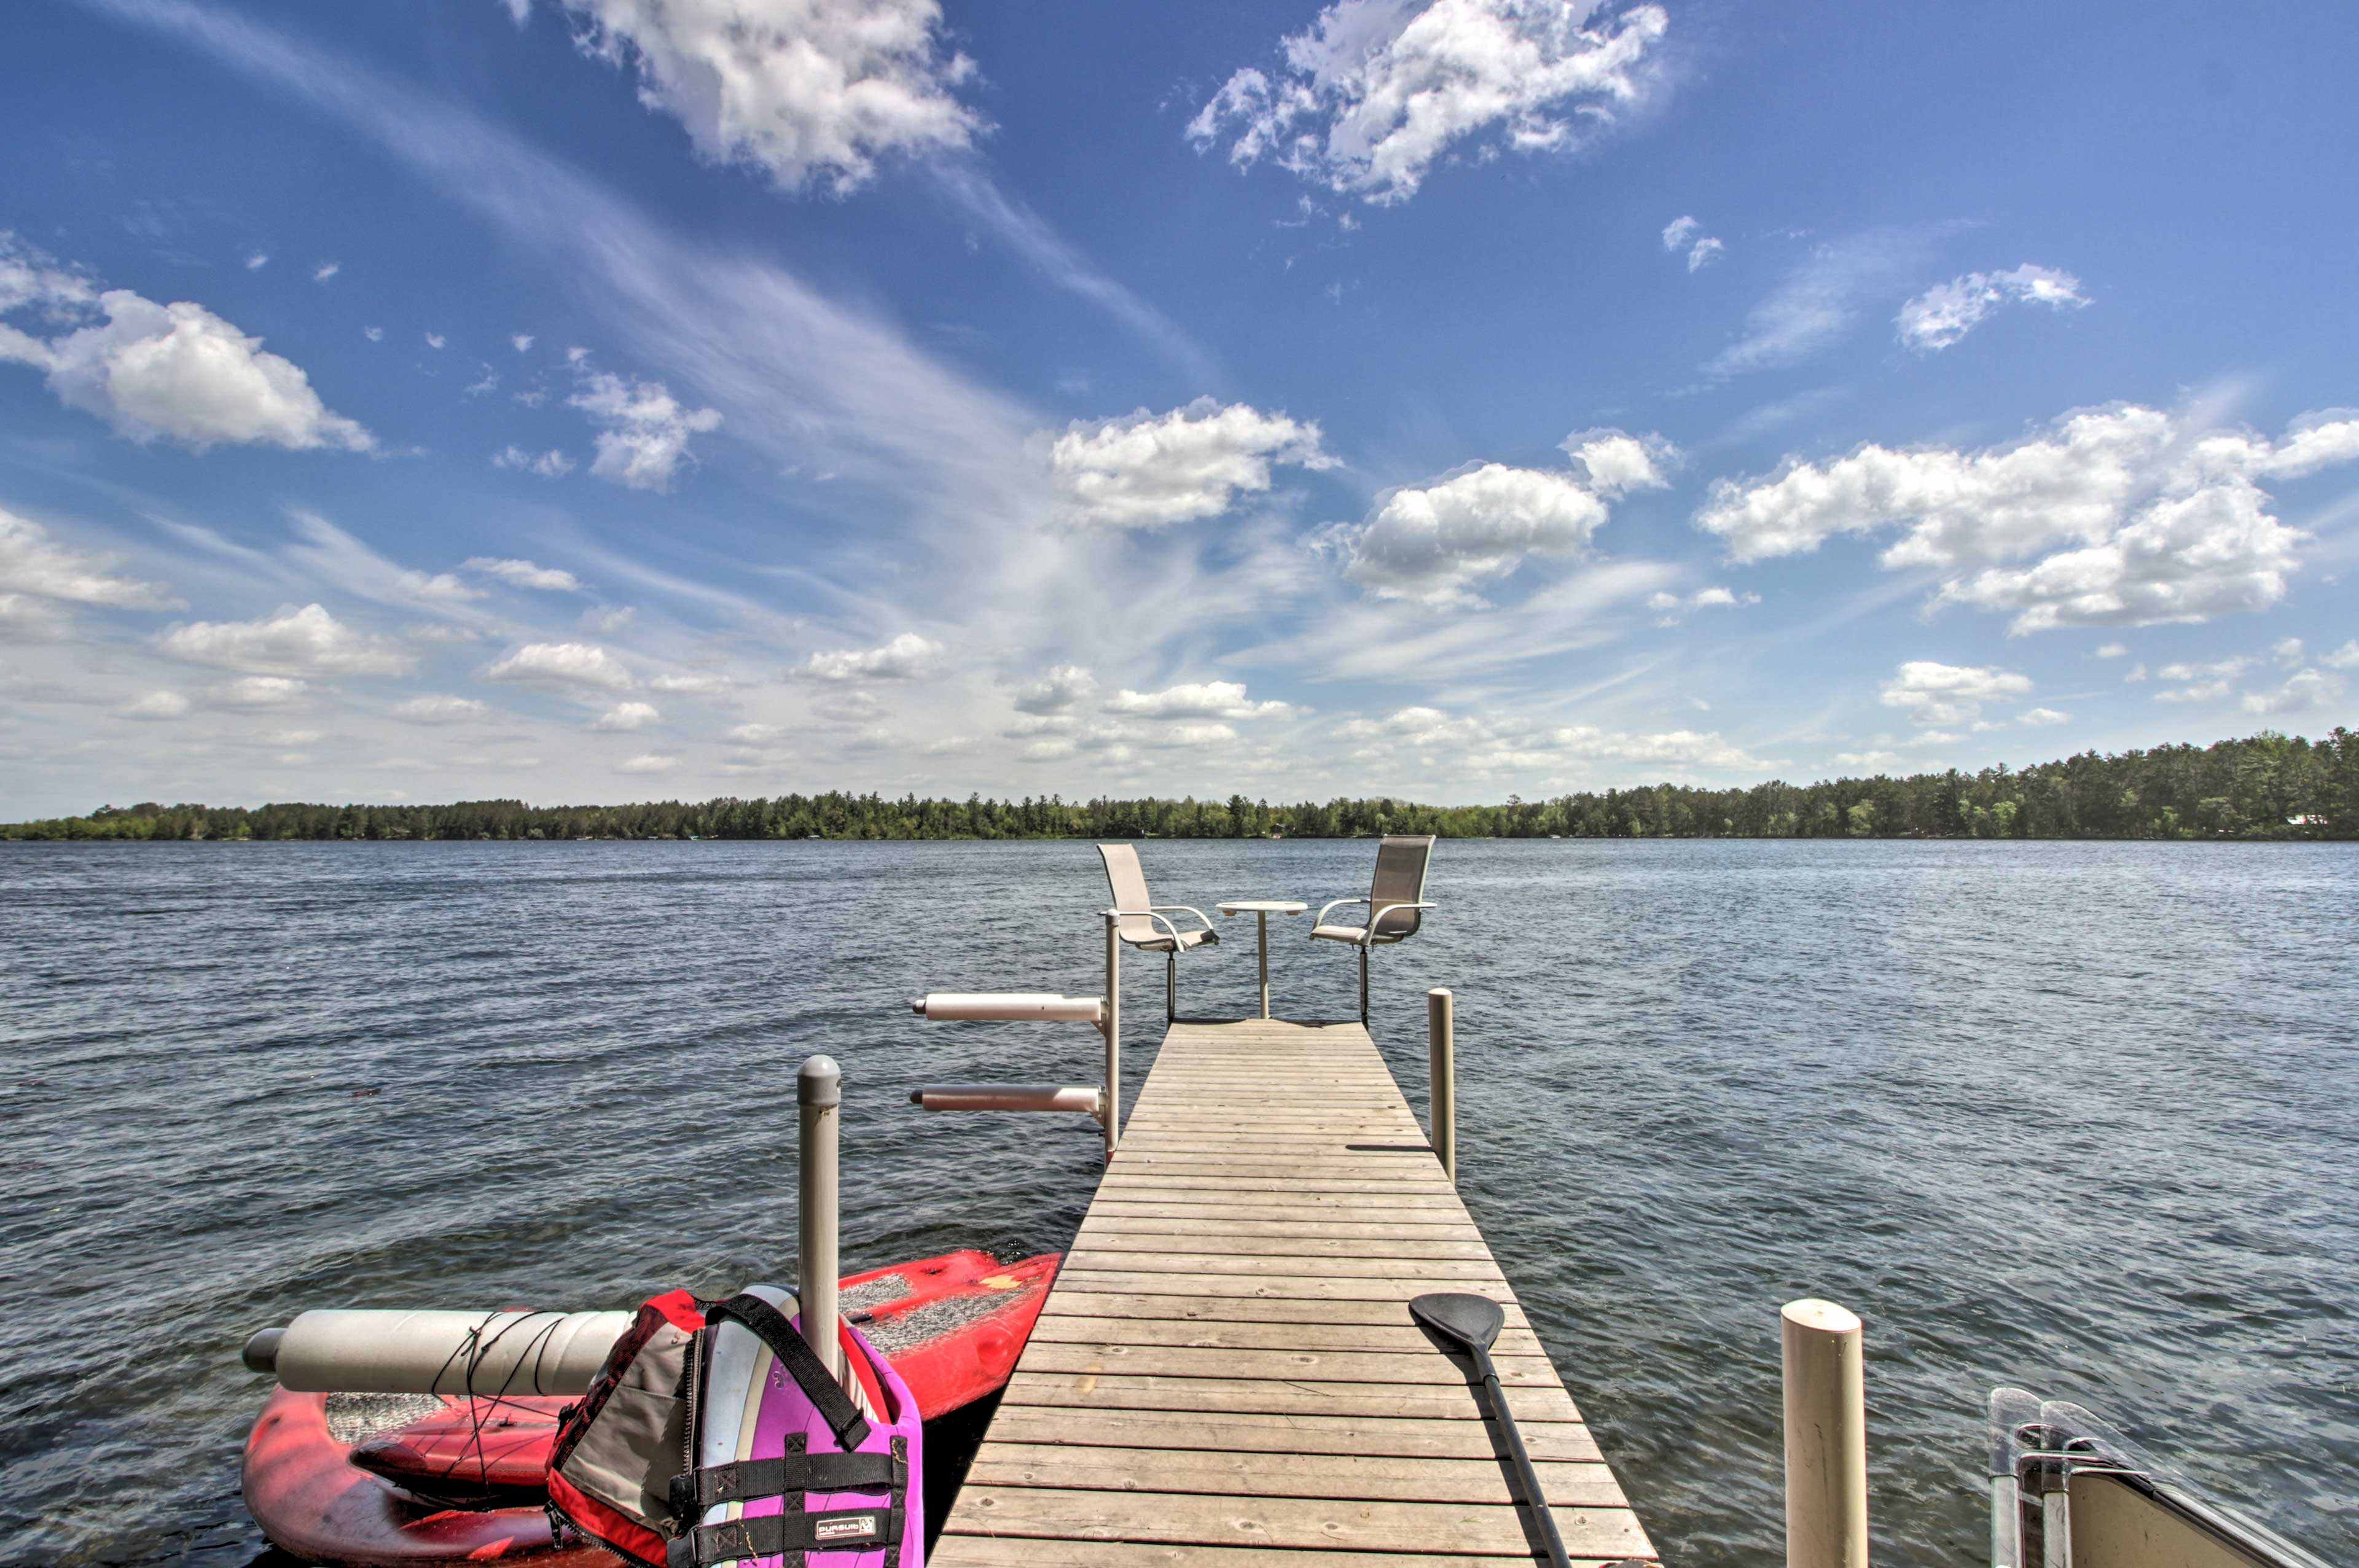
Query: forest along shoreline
(2267, 786)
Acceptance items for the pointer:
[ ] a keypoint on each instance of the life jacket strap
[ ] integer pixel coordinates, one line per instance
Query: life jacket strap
(786, 1534)
(809, 1373)
(735, 1483)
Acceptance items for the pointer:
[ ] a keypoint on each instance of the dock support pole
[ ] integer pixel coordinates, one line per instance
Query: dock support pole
(1441, 1076)
(819, 1089)
(1113, 1025)
(1826, 1436)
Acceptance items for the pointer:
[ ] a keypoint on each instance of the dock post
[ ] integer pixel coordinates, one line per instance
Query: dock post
(1113, 1026)
(819, 1090)
(1441, 1076)
(1826, 1436)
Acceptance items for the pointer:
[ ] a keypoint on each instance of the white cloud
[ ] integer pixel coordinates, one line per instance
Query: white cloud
(647, 762)
(689, 684)
(2169, 523)
(2203, 683)
(1878, 762)
(628, 716)
(1205, 700)
(2041, 716)
(903, 658)
(2346, 657)
(1147, 470)
(644, 435)
(176, 371)
(1949, 694)
(374, 334)
(521, 342)
(1817, 301)
(438, 708)
(1375, 90)
(1491, 743)
(608, 618)
(31, 562)
(1434, 541)
(155, 707)
(811, 91)
(524, 574)
(325, 271)
(754, 734)
(1670, 608)
(585, 664)
(1687, 234)
(2309, 690)
(551, 464)
(256, 261)
(26, 619)
(257, 692)
(1948, 311)
(2112, 651)
(1060, 689)
(307, 643)
(435, 339)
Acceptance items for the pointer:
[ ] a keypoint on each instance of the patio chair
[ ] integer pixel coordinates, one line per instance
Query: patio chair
(1141, 923)
(1396, 904)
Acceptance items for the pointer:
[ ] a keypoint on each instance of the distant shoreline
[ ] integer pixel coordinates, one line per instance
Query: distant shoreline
(2268, 787)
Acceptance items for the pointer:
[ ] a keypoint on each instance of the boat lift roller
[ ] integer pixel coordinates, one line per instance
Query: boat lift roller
(1103, 1104)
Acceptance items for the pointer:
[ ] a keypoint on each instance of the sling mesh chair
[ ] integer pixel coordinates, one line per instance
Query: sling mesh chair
(1395, 902)
(1142, 925)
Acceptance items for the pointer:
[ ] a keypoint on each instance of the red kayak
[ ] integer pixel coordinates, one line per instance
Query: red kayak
(390, 1480)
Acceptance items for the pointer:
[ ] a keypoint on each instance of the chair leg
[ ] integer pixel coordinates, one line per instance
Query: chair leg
(1363, 985)
(1170, 987)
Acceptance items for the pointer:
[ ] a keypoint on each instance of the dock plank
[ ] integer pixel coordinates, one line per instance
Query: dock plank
(1225, 1374)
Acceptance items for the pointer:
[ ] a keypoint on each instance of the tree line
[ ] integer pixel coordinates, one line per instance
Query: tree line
(2267, 786)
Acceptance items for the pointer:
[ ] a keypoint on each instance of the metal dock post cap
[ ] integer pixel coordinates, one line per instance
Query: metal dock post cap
(820, 1082)
(1826, 1435)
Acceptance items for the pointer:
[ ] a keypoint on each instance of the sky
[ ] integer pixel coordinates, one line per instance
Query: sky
(598, 400)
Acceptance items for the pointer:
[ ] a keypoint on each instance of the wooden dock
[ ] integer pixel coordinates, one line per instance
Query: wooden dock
(1226, 1372)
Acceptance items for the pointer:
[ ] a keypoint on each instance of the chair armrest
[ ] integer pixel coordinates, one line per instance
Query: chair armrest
(1151, 915)
(1189, 909)
(1337, 904)
(1378, 913)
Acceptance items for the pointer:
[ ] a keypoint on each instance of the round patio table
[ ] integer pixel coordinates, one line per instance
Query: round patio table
(1261, 909)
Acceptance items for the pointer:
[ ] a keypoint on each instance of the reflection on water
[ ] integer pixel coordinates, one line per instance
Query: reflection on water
(2076, 1116)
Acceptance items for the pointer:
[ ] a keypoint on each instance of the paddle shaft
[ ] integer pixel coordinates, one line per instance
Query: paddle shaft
(1534, 1498)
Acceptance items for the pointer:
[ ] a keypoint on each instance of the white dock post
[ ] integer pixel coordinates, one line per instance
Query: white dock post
(1112, 1024)
(1441, 1076)
(1826, 1436)
(819, 1089)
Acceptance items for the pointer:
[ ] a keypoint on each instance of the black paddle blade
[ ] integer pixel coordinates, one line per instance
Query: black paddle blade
(1472, 1321)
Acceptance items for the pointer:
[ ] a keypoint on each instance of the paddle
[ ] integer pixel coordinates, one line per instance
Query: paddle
(1472, 1322)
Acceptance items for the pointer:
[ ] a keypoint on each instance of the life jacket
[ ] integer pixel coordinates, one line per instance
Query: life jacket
(714, 1435)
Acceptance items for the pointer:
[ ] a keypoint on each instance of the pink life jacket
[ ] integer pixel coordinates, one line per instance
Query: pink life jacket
(818, 1483)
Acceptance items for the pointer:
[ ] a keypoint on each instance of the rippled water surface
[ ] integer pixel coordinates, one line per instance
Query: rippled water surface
(2080, 1116)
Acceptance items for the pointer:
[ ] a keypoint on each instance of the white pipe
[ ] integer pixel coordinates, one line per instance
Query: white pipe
(1008, 1096)
(819, 1090)
(1826, 1436)
(394, 1352)
(1007, 1007)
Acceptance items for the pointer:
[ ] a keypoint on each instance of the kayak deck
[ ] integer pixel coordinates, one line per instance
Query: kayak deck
(1225, 1372)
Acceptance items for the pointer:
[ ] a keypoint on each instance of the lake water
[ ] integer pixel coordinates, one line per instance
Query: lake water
(2081, 1117)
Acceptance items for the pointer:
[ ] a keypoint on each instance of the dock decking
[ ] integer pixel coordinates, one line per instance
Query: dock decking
(1226, 1372)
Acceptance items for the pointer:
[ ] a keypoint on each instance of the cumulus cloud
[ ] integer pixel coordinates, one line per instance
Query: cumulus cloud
(2346, 657)
(904, 658)
(1204, 699)
(2041, 716)
(1147, 470)
(257, 692)
(1950, 693)
(2306, 692)
(435, 339)
(1948, 311)
(581, 666)
(1671, 608)
(647, 762)
(1687, 234)
(643, 433)
(1434, 541)
(1057, 691)
(551, 464)
(814, 91)
(688, 683)
(628, 716)
(2112, 651)
(32, 563)
(156, 371)
(2164, 523)
(157, 706)
(524, 574)
(1486, 743)
(1368, 97)
(438, 708)
(308, 642)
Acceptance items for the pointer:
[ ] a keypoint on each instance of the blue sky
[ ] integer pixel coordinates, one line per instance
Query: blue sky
(593, 399)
